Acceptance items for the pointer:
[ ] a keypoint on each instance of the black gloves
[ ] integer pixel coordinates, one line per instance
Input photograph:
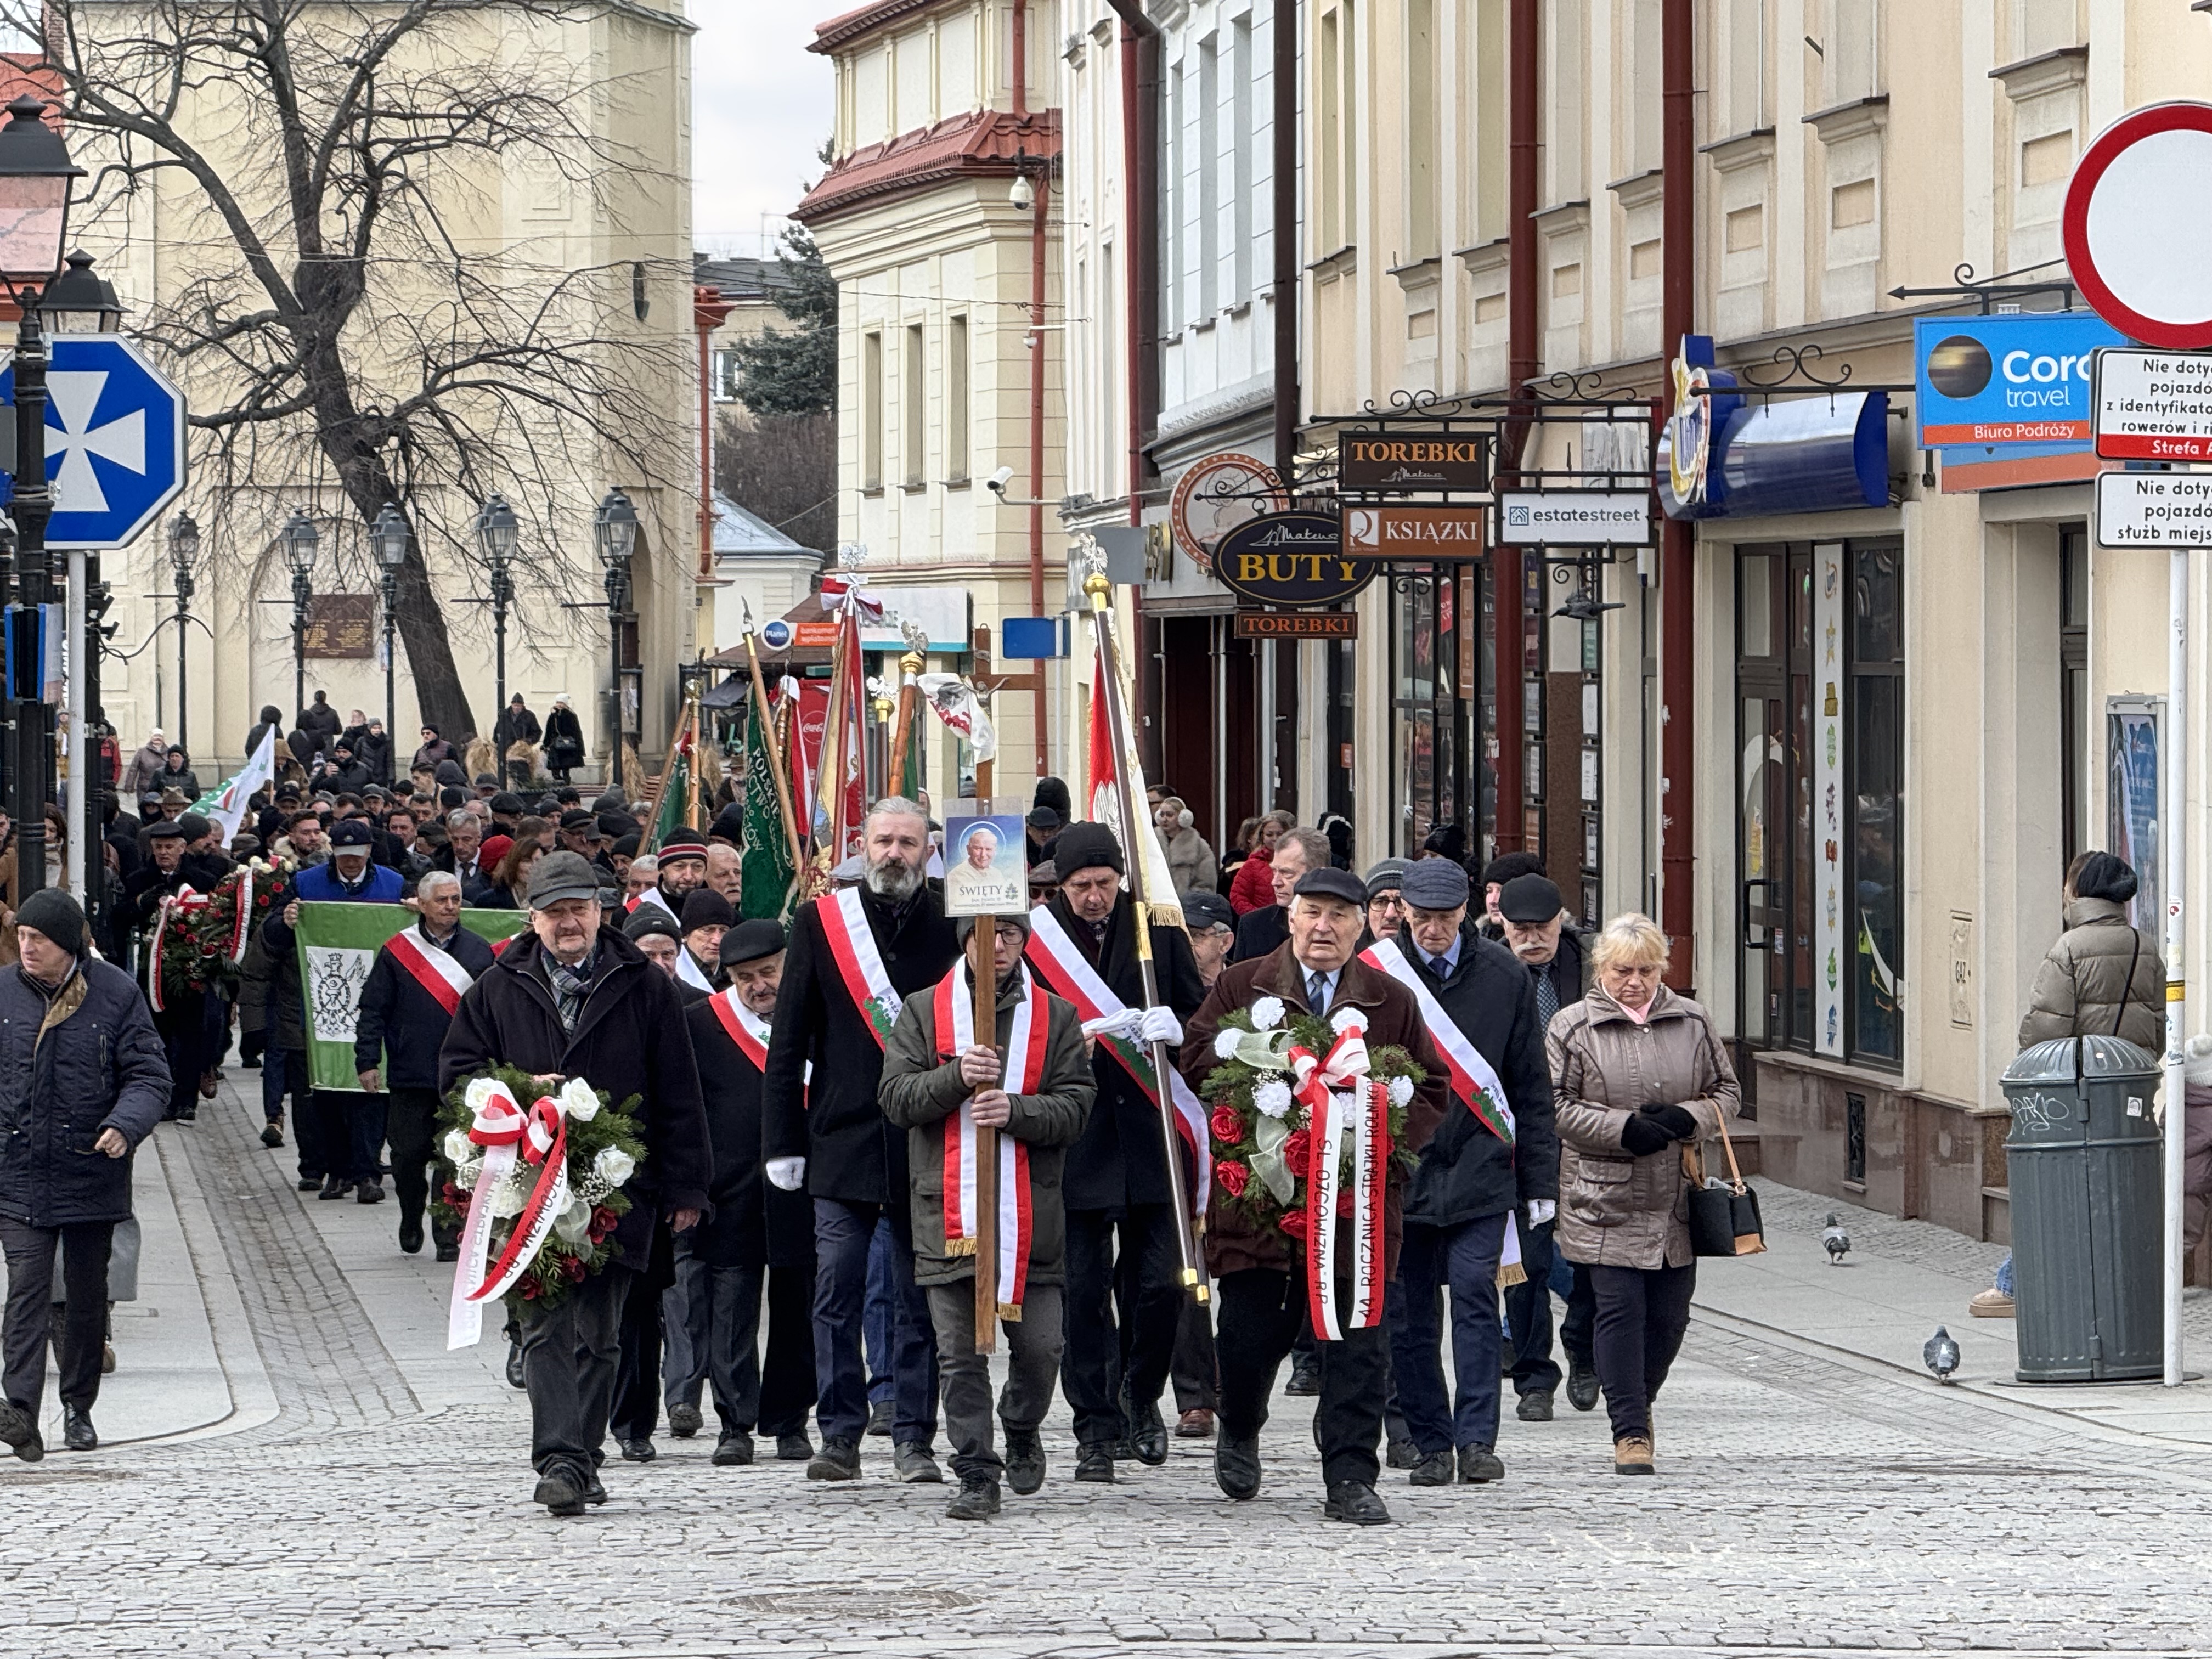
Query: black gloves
(1675, 1119)
(1641, 1136)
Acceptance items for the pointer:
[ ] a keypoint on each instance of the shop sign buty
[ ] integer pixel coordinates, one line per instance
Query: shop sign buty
(1431, 535)
(1290, 559)
(1412, 460)
(2153, 405)
(2155, 510)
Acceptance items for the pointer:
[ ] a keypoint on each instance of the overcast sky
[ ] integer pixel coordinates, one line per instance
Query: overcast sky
(762, 106)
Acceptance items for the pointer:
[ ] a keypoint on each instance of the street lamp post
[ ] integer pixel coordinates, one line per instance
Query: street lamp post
(299, 539)
(183, 553)
(497, 532)
(36, 175)
(389, 535)
(614, 527)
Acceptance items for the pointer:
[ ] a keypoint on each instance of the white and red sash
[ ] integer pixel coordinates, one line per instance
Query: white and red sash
(433, 969)
(1347, 1109)
(955, 1008)
(1474, 1079)
(689, 971)
(1060, 961)
(745, 1028)
(860, 964)
(651, 895)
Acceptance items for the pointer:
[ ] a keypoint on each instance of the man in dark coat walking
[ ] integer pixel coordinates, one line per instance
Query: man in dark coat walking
(855, 955)
(407, 1005)
(1470, 1181)
(574, 998)
(756, 1229)
(1117, 1187)
(1261, 1300)
(182, 1021)
(82, 1081)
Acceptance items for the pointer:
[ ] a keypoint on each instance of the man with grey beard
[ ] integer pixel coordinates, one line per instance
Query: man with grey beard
(855, 955)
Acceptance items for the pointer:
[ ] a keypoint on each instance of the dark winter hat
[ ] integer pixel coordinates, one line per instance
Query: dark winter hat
(166, 830)
(577, 820)
(1528, 899)
(1044, 873)
(508, 801)
(705, 908)
(194, 826)
(1506, 866)
(652, 919)
(749, 941)
(625, 846)
(52, 912)
(684, 844)
(1045, 820)
(966, 924)
(352, 833)
(1341, 885)
(614, 825)
(1053, 793)
(1083, 846)
(1204, 910)
(451, 797)
(486, 780)
(611, 801)
(560, 875)
(1383, 876)
(1433, 885)
(449, 772)
(2106, 876)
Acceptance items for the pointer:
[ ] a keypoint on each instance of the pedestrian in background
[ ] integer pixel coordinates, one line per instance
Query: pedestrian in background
(1253, 887)
(82, 1081)
(1635, 1070)
(1190, 860)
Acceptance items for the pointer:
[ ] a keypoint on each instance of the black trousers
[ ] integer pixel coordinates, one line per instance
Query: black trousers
(634, 1411)
(30, 1317)
(1641, 1315)
(411, 1121)
(1193, 1359)
(1092, 1373)
(1257, 1322)
(772, 1395)
(184, 1045)
(569, 1355)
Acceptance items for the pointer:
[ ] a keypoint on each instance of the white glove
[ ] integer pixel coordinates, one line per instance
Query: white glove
(1123, 1024)
(786, 1174)
(1541, 1210)
(1160, 1025)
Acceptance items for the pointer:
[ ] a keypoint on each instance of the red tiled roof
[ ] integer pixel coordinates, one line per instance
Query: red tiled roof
(985, 143)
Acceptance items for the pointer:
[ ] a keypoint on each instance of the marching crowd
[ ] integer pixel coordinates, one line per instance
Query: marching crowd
(802, 1235)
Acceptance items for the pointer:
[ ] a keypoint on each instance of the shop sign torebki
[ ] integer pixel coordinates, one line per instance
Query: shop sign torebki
(2153, 405)
(1290, 559)
(1412, 460)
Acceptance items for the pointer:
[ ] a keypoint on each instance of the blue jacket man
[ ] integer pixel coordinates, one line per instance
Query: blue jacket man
(341, 1132)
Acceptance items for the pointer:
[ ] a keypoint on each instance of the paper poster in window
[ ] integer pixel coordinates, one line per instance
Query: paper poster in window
(1828, 828)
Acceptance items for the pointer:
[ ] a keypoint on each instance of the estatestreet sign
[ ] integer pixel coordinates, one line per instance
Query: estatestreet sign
(1434, 535)
(2153, 405)
(1411, 461)
(1575, 517)
(2155, 510)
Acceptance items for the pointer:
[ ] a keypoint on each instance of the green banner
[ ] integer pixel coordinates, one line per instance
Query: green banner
(338, 945)
(764, 871)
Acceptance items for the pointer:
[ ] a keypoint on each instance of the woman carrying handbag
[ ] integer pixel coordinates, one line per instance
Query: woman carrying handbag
(1638, 1072)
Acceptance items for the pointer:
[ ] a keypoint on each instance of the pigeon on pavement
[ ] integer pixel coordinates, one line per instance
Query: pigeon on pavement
(1941, 1353)
(1835, 1241)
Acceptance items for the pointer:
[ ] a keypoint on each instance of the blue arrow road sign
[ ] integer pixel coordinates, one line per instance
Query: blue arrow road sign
(115, 440)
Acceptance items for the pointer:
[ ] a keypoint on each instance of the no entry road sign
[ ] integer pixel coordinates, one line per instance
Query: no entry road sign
(2137, 227)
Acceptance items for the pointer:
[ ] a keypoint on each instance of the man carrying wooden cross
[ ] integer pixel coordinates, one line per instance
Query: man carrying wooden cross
(943, 1082)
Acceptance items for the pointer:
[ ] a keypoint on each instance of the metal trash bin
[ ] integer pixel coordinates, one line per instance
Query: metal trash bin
(2084, 1160)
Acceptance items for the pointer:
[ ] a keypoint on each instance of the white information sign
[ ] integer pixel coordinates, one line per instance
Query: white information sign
(2155, 510)
(2153, 406)
(1575, 517)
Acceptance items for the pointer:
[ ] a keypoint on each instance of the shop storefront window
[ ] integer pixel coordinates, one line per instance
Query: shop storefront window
(1428, 741)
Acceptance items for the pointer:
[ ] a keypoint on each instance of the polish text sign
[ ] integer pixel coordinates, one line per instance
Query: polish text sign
(2155, 510)
(2153, 405)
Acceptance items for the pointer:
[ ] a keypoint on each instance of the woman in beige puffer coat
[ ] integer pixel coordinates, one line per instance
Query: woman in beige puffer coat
(1636, 1072)
(2104, 976)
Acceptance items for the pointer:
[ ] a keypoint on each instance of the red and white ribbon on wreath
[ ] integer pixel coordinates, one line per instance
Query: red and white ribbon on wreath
(242, 917)
(1347, 1109)
(509, 1136)
(185, 898)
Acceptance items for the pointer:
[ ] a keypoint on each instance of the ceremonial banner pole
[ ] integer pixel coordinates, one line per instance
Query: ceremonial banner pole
(691, 772)
(983, 969)
(903, 728)
(774, 749)
(1193, 1275)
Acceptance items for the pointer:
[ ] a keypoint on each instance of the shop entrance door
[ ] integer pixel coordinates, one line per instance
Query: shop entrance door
(1774, 801)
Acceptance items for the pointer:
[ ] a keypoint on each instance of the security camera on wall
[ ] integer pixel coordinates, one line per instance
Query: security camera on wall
(998, 481)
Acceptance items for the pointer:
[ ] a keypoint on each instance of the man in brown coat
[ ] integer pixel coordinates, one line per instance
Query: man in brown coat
(1260, 1283)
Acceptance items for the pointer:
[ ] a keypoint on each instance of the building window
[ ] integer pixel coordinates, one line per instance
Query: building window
(1423, 233)
(1209, 177)
(914, 412)
(1853, 51)
(1646, 49)
(956, 400)
(1242, 142)
(722, 374)
(1566, 102)
(1746, 47)
(872, 410)
(1424, 650)
(1175, 280)
(1331, 121)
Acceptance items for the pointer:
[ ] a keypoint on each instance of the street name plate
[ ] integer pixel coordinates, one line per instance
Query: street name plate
(2155, 510)
(2153, 406)
(1575, 517)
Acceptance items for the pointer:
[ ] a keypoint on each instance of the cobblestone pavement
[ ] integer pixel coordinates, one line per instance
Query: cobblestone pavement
(1803, 1507)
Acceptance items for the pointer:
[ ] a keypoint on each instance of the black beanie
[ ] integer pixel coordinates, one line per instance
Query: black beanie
(2104, 876)
(1081, 846)
(52, 912)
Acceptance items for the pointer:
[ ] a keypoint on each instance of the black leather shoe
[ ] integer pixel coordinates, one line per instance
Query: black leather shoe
(334, 1188)
(1581, 1386)
(594, 1492)
(309, 1184)
(1434, 1470)
(1150, 1439)
(912, 1463)
(1024, 1461)
(684, 1421)
(1402, 1455)
(637, 1451)
(1348, 1500)
(1479, 1466)
(793, 1448)
(514, 1377)
(733, 1450)
(18, 1432)
(879, 1417)
(1306, 1377)
(1534, 1408)
(410, 1234)
(1236, 1466)
(449, 1253)
(272, 1135)
(1095, 1463)
(559, 1495)
(976, 1500)
(370, 1191)
(838, 1459)
(77, 1432)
